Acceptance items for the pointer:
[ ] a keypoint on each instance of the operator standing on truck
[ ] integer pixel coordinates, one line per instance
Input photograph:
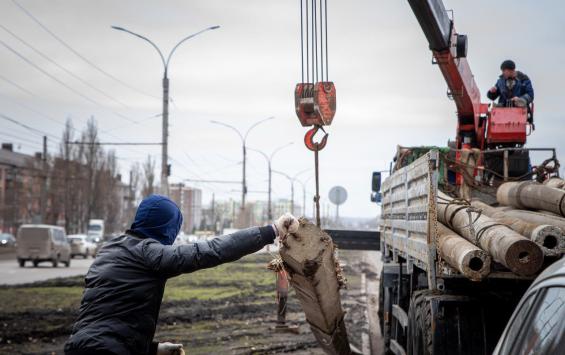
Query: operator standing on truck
(125, 284)
(513, 88)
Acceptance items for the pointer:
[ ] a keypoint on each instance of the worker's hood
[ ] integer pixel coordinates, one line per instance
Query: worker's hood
(159, 218)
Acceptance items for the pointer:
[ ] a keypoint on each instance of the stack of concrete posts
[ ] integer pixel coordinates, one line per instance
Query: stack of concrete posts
(504, 245)
(533, 207)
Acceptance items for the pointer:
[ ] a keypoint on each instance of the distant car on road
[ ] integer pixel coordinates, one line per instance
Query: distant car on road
(41, 242)
(538, 323)
(7, 240)
(81, 245)
(95, 228)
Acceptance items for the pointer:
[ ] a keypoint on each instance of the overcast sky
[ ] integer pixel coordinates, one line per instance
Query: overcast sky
(388, 91)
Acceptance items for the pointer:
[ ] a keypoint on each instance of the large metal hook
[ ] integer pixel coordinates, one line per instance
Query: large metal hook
(309, 139)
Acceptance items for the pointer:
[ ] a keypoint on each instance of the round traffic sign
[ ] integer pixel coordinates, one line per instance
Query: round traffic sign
(338, 195)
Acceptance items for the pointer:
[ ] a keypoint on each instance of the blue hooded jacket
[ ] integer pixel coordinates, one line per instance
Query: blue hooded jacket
(157, 217)
(522, 88)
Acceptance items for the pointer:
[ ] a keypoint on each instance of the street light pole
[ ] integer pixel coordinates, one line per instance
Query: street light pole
(243, 138)
(303, 196)
(292, 179)
(165, 128)
(269, 159)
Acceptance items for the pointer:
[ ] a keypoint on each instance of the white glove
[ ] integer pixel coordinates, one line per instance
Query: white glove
(287, 223)
(169, 349)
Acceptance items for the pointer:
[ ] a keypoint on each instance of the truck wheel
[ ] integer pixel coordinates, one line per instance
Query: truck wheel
(420, 324)
(380, 310)
(86, 254)
(387, 326)
(35, 263)
(55, 261)
(68, 263)
(22, 262)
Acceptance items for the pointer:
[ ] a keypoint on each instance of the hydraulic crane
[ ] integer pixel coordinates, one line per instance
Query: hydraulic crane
(479, 125)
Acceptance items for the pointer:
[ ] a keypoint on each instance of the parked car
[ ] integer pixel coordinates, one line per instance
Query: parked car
(81, 245)
(7, 240)
(538, 323)
(41, 242)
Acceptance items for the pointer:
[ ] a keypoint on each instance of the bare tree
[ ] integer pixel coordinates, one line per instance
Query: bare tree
(148, 177)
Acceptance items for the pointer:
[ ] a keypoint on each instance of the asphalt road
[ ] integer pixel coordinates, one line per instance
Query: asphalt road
(12, 274)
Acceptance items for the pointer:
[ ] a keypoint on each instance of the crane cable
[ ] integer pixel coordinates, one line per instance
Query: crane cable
(314, 40)
(314, 43)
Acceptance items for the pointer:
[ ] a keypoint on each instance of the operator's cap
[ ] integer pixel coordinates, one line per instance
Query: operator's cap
(508, 64)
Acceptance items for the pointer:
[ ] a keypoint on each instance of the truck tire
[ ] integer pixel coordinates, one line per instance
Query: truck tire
(68, 262)
(35, 263)
(420, 324)
(55, 261)
(380, 310)
(22, 262)
(387, 326)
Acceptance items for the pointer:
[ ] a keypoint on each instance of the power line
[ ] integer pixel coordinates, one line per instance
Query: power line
(86, 60)
(35, 130)
(12, 136)
(17, 86)
(112, 143)
(31, 109)
(139, 122)
(214, 181)
(25, 59)
(46, 57)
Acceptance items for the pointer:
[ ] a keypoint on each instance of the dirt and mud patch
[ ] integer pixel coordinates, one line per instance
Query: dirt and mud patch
(229, 309)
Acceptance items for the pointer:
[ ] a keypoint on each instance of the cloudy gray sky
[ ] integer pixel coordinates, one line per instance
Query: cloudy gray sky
(388, 91)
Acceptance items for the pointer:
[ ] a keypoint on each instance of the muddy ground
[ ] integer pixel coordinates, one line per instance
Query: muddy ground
(229, 309)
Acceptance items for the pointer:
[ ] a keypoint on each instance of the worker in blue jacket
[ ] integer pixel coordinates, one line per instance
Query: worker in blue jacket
(124, 286)
(513, 88)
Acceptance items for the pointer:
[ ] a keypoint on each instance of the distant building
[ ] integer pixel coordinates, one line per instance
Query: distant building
(282, 206)
(21, 179)
(189, 200)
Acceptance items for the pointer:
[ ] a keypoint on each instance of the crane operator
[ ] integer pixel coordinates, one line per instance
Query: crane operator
(513, 88)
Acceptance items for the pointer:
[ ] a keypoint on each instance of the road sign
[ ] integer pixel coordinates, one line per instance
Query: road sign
(338, 195)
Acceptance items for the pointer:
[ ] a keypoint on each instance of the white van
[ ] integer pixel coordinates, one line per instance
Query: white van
(95, 229)
(41, 242)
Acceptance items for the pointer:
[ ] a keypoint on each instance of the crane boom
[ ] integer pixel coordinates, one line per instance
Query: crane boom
(449, 50)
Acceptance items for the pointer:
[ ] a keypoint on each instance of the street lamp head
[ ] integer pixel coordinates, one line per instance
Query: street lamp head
(215, 27)
(118, 28)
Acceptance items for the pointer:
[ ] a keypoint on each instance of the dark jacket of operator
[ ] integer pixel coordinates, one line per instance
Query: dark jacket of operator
(124, 286)
(519, 86)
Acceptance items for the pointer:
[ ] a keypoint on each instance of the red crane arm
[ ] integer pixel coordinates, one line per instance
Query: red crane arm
(449, 51)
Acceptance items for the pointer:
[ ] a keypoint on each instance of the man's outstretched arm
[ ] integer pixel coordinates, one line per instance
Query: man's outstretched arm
(171, 261)
(174, 260)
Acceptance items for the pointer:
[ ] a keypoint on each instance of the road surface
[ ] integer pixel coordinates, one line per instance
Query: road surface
(12, 274)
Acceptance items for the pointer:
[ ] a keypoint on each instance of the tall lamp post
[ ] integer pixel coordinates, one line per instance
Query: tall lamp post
(291, 179)
(244, 149)
(269, 159)
(303, 184)
(165, 143)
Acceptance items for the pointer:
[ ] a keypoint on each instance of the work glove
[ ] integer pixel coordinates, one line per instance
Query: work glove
(519, 102)
(286, 223)
(169, 349)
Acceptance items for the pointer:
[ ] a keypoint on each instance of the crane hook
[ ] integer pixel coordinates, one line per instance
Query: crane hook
(309, 139)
